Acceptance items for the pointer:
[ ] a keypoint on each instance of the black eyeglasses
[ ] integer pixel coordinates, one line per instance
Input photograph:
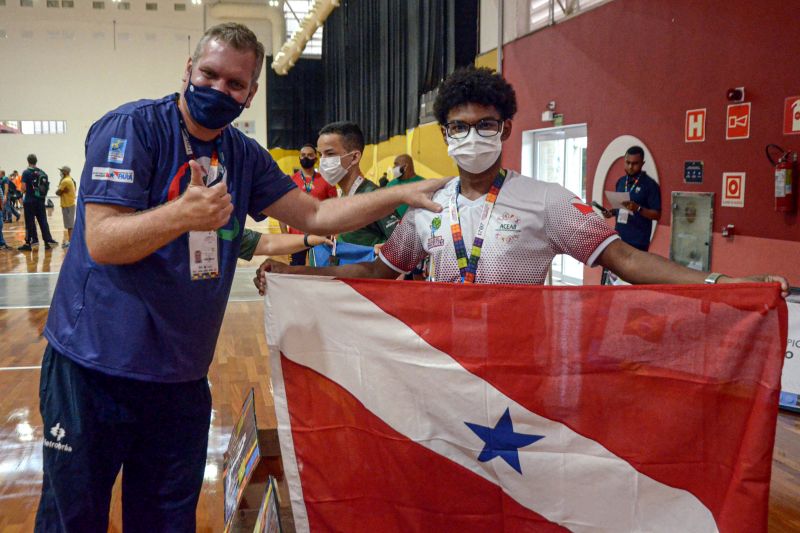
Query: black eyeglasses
(486, 127)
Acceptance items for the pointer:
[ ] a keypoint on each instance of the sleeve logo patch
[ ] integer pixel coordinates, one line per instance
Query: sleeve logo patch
(582, 207)
(112, 174)
(116, 150)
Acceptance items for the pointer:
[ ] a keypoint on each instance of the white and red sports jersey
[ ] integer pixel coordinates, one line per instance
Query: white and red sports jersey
(532, 221)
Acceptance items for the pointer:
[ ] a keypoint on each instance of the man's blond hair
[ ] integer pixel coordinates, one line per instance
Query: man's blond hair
(239, 36)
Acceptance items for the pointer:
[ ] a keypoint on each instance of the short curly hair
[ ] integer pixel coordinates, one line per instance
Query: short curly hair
(472, 85)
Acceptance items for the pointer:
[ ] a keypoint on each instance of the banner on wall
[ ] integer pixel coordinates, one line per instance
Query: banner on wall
(481, 408)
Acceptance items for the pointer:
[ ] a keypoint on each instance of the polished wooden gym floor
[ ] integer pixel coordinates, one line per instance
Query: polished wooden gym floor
(27, 280)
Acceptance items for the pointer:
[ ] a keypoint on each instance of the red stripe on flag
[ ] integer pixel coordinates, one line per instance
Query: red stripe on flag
(359, 474)
(680, 381)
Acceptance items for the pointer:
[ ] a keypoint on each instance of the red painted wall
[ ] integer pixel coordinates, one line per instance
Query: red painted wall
(632, 67)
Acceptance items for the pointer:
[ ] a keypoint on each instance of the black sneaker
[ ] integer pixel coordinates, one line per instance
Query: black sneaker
(25, 248)
(54, 243)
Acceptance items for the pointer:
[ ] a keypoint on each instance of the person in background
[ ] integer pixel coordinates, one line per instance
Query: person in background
(16, 179)
(341, 145)
(311, 182)
(635, 221)
(34, 188)
(3, 201)
(403, 172)
(9, 190)
(66, 192)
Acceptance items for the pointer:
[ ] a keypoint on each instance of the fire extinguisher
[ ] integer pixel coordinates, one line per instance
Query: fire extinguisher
(785, 177)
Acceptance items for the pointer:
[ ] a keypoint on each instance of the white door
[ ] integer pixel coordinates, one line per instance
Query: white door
(558, 155)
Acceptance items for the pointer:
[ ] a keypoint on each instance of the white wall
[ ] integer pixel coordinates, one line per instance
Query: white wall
(61, 64)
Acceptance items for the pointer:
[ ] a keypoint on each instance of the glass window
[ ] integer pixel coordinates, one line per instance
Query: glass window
(33, 127)
(295, 11)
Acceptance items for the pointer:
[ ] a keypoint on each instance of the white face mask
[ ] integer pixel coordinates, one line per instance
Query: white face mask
(397, 171)
(474, 153)
(331, 168)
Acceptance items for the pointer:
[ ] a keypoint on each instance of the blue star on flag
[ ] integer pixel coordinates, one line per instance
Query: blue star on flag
(501, 441)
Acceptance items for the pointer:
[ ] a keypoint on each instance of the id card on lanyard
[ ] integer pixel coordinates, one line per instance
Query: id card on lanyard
(469, 267)
(204, 245)
(624, 214)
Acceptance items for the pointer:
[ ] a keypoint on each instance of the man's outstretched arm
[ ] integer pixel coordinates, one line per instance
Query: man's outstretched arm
(637, 267)
(339, 215)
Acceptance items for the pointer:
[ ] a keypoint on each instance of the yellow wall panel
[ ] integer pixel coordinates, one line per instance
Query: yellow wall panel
(489, 59)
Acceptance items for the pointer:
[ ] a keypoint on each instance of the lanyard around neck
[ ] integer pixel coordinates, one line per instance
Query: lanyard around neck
(353, 188)
(356, 184)
(217, 157)
(628, 186)
(308, 184)
(469, 267)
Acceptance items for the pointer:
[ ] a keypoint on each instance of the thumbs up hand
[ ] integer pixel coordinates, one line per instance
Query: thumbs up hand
(204, 208)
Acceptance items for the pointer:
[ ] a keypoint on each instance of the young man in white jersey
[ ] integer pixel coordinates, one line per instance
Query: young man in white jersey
(498, 226)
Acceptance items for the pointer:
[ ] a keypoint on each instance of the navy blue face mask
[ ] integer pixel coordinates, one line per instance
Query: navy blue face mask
(210, 108)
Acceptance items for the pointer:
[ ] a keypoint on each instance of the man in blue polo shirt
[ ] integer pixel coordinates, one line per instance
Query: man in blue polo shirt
(635, 221)
(141, 295)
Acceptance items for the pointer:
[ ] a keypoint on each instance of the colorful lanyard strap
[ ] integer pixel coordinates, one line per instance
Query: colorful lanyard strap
(628, 186)
(469, 268)
(217, 157)
(308, 184)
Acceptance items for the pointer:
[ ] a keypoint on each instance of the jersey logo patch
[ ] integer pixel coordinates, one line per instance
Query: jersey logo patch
(118, 175)
(116, 150)
(435, 241)
(507, 229)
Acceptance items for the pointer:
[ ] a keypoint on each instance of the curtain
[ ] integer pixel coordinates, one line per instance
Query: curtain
(295, 105)
(379, 56)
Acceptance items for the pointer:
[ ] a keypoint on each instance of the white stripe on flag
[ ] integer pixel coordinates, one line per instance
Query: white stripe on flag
(428, 396)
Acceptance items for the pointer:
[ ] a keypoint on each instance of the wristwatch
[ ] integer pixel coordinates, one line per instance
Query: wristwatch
(639, 208)
(713, 277)
(305, 241)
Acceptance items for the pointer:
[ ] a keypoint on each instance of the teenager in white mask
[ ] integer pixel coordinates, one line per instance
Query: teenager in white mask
(499, 226)
(341, 147)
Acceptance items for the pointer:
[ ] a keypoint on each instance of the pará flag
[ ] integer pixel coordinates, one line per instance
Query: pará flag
(406, 406)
